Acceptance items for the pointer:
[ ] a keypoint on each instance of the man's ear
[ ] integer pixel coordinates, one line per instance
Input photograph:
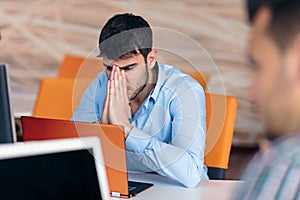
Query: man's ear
(291, 63)
(151, 59)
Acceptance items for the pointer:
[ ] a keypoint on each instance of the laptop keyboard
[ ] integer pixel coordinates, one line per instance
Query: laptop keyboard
(130, 188)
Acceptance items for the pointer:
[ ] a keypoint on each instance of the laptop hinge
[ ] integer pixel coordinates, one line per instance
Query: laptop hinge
(115, 194)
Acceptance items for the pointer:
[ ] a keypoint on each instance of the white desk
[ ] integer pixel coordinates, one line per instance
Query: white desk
(166, 189)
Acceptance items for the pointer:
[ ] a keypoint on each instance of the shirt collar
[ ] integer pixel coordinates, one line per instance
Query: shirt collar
(159, 84)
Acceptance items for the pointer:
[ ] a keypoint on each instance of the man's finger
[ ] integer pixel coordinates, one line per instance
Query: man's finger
(104, 118)
(123, 85)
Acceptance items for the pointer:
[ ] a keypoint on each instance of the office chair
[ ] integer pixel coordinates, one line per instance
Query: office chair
(220, 119)
(79, 67)
(57, 98)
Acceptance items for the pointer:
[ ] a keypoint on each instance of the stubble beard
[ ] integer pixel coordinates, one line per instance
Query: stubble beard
(140, 89)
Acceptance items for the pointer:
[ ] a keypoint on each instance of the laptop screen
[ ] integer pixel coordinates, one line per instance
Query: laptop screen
(59, 175)
(7, 123)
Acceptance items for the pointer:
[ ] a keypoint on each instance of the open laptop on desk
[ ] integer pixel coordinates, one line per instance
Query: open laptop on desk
(112, 140)
(54, 169)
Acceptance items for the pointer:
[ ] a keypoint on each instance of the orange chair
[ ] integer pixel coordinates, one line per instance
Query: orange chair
(220, 119)
(80, 67)
(57, 98)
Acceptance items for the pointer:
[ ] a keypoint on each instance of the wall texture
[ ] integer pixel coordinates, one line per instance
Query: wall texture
(207, 36)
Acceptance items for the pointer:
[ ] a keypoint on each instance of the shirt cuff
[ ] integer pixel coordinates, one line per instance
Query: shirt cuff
(137, 140)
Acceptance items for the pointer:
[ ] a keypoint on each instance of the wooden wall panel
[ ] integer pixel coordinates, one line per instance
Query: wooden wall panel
(37, 33)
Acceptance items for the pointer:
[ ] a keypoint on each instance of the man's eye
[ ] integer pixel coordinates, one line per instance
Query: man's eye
(109, 68)
(128, 68)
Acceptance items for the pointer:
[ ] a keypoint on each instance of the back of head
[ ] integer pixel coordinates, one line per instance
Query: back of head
(284, 26)
(125, 35)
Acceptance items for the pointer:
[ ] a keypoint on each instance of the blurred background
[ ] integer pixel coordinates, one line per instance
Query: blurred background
(36, 34)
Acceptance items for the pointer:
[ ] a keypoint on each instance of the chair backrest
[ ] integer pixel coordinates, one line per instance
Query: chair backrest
(74, 66)
(57, 98)
(220, 119)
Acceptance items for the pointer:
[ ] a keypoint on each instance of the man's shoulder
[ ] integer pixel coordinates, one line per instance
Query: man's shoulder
(173, 77)
(282, 152)
(271, 166)
(288, 144)
(284, 148)
(101, 76)
(100, 79)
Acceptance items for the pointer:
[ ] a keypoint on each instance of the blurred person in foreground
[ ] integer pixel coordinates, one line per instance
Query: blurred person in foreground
(274, 172)
(161, 109)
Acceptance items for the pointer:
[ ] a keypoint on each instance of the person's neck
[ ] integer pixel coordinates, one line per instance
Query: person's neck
(137, 102)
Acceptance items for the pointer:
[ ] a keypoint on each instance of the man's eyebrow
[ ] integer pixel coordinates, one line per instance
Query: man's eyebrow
(128, 66)
(122, 68)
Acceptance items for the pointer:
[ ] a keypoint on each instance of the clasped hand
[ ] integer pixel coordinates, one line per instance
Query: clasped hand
(116, 109)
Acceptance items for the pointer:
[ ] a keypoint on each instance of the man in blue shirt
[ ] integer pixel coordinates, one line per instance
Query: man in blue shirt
(274, 172)
(161, 109)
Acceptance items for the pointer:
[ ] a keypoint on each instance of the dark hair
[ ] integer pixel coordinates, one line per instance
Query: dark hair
(125, 35)
(284, 25)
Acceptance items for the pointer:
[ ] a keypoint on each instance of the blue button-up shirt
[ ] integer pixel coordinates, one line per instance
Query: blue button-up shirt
(169, 127)
(273, 173)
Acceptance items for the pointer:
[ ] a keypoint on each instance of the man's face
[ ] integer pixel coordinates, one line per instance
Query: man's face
(271, 88)
(136, 72)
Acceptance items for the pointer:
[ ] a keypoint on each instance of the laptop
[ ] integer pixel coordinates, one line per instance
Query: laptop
(7, 121)
(53, 169)
(112, 140)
